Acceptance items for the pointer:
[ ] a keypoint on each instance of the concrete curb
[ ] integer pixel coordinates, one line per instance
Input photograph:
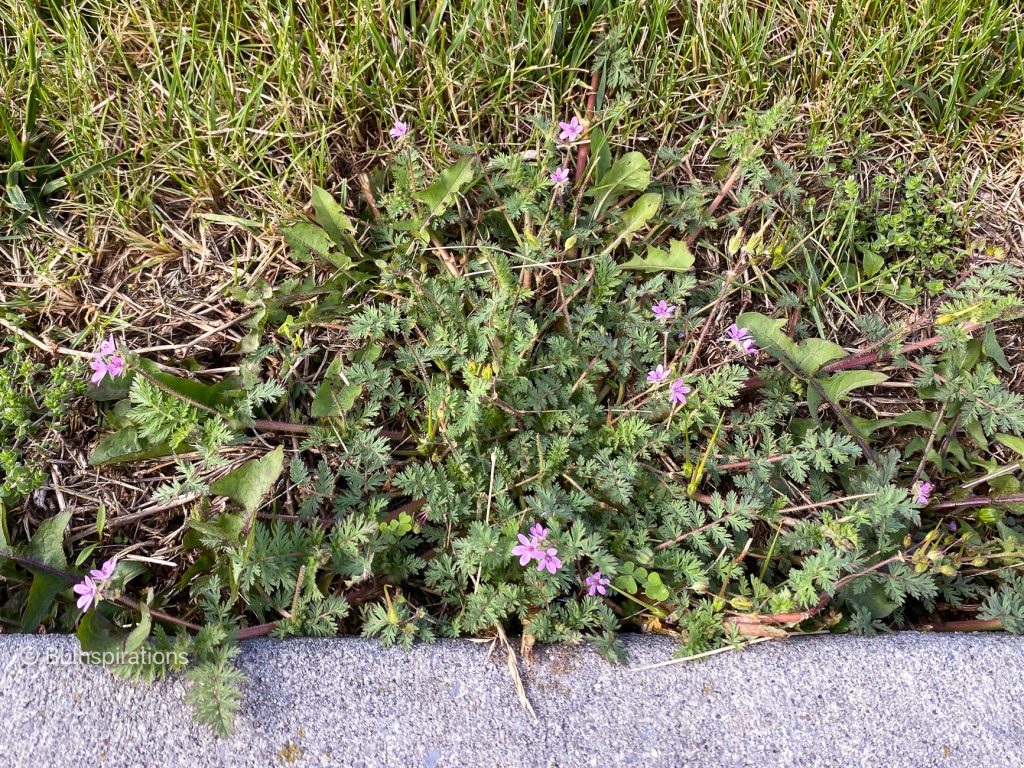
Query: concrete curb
(902, 700)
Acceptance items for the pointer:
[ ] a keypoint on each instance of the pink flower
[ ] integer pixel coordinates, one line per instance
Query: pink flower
(679, 392)
(113, 365)
(105, 571)
(560, 176)
(596, 584)
(548, 559)
(571, 130)
(527, 550)
(923, 492)
(663, 310)
(539, 532)
(88, 593)
(741, 337)
(657, 375)
(99, 370)
(399, 130)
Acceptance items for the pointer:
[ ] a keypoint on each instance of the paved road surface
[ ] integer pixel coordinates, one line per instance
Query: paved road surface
(904, 700)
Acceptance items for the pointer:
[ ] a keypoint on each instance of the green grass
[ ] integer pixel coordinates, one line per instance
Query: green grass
(237, 108)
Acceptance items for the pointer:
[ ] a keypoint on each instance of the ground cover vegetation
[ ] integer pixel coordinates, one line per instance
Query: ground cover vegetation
(550, 320)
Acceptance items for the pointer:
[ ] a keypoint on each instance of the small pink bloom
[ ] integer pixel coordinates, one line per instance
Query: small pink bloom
(99, 370)
(538, 532)
(105, 571)
(742, 338)
(560, 176)
(923, 492)
(104, 362)
(399, 130)
(527, 550)
(679, 392)
(87, 591)
(657, 375)
(596, 584)
(549, 559)
(571, 130)
(663, 310)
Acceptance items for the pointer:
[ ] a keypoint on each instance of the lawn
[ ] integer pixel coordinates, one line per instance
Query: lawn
(555, 319)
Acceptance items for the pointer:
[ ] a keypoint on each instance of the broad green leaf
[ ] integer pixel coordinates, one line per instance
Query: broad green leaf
(839, 385)
(99, 635)
(195, 392)
(125, 445)
(440, 195)
(600, 152)
(809, 355)
(331, 216)
(248, 484)
(876, 600)
(636, 218)
(867, 427)
(678, 258)
(924, 419)
(47, 547)
(994, 350)
(629, 173)
(769, 335)
(224, 529)
(814, 353)
(1012, 442)
(333, 398)
(306, 238)
(872, 263)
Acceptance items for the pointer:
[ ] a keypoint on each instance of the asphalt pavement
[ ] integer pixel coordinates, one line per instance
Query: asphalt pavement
(900, 700)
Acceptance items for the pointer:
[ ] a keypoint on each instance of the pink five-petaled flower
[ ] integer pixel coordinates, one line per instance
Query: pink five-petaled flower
(560, 175)
(548, 558)
(596, 584)
(679, 392)
(539, 532)
(742, 337)
(657, 375)
(398, 130)
(527, 550)
(663, 310)
(571, 130)
(105, 571)
(87, 593)
(923, 492)
(99, 370)
(105, 362)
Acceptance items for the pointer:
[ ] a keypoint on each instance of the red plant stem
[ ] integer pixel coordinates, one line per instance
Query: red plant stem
(730, 275)
(978, 501)
(584, 150)
(726, 188)
(867, 358)
(247, 633)
(968, 625)
(126, 602)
